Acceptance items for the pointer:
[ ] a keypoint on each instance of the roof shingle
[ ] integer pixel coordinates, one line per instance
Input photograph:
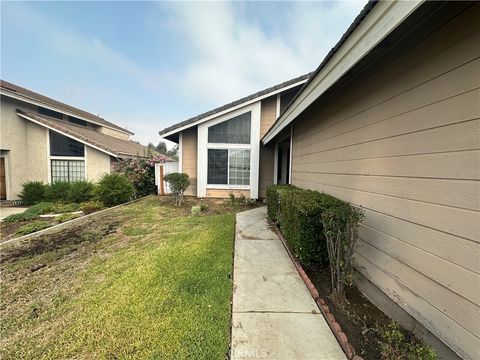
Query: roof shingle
(116, 146)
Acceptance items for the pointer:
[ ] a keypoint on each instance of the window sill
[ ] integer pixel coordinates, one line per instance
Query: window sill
(229, 187)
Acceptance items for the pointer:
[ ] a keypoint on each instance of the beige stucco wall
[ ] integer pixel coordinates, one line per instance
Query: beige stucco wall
(267, 153)
(189, 158)
(114, 133)
(24, 146)
(98, 164)
(404, 144)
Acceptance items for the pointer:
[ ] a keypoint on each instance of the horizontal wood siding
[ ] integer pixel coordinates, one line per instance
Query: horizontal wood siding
(267, 118)
(222, 193)
(405, 144)
(189, 158)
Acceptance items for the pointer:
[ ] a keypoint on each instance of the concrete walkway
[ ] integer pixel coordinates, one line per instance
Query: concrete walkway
(274, 315)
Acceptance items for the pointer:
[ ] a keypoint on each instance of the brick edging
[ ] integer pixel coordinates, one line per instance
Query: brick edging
(322, 305)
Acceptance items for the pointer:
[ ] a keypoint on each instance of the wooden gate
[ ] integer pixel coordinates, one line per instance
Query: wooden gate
(160, 171)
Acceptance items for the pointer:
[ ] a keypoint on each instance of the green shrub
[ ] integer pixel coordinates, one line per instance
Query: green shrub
(114, 189)
(31, 213)
(19, 217)
(179, 182)
(273, 201)
(32, 227)
(32, 192)
(57, 191)
(89, 207)
(399, 344)
(299, 216)
(60, 208)
(340, 226)
(80, 191)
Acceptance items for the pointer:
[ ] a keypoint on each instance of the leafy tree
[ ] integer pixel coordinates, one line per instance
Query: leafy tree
(179, 182)
(141, 172)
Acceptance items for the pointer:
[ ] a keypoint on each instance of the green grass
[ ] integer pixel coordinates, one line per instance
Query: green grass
(157, 288)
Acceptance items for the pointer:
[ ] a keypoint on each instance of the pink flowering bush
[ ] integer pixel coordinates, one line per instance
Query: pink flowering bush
(141, 172)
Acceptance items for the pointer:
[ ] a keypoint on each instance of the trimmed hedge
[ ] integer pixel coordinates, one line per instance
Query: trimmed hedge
(273, 201)
(298, 213)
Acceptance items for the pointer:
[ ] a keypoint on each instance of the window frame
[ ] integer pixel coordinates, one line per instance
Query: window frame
(228, 185)
(72, 158)
(254, 147)
(68, 159)
(229, 146)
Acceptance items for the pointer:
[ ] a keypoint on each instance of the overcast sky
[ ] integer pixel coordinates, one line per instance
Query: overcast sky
(148, 65)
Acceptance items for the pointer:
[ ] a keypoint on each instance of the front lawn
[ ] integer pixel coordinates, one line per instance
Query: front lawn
(144, 281)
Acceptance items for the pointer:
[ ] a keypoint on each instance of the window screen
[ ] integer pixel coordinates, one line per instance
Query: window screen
(233, 131)
(68, 170)
(64, 146)
(217, 166)
(239, 167)
(48, 112)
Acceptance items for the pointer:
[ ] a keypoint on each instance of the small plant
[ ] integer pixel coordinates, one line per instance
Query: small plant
(196, 210)
(398, 344)
(32, 192)
(89, 207)
(203, 206)
(67, 217)
(114, 189)
(179, 182)
(57, 191)
(19, 217)
(340, 226)
(32, 227)
(232, 198)
(80, 191)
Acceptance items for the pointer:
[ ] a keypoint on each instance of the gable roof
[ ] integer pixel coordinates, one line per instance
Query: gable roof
(108, 144)
(376, 20)
(23, 94)
(259, 94)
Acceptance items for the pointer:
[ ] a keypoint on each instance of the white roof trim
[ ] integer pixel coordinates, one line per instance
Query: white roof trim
(226, 111)
(380, 22)
(67, 135)
(29, 100)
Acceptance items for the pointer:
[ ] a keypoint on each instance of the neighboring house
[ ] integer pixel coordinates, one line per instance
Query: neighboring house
(391, 121)
(220, 149)
(45, 140)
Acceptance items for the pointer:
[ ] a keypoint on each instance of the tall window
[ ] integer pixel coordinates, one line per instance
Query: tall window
(233, 131)
(67, 158)
(230, 164)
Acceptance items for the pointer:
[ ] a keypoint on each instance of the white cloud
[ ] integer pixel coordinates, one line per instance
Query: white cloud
(232, 56)
(229, 52)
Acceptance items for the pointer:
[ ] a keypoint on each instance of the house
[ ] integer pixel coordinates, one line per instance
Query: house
(390, 120)
(220, 149)
(45, 140)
